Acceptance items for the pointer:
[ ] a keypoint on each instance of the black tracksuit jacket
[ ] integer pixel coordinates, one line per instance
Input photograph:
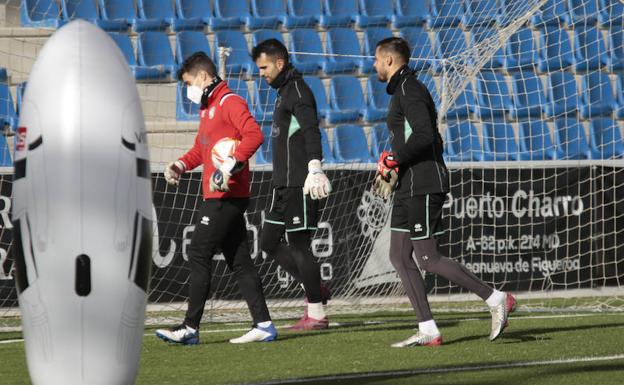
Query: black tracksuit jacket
(295, 134)
(416, 141)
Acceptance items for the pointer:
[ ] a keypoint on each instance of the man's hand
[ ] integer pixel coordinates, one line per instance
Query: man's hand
(382, 187)
(173, 171)
(221, 176)
(387, 164)
(316, 183)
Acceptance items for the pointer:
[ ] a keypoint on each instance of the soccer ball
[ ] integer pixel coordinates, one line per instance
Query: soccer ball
(222, 149)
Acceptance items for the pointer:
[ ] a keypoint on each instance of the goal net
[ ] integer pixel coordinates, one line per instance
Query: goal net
(530, 106)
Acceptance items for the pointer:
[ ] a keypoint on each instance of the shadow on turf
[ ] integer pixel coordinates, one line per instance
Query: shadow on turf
(348, 327)
(399, 378)
(344, 327)
(534, 334)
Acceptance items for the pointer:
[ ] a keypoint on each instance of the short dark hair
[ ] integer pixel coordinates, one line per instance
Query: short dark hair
(270, 47)
(396, 45)
(196, 62)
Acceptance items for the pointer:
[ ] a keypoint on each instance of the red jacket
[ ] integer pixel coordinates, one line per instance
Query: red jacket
(224, 116)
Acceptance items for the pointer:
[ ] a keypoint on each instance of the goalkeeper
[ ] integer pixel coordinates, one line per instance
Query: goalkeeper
(298, 179)
(416, 170)
(221, 222)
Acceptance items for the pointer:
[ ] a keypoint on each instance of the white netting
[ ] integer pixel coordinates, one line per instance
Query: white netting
(530, 106)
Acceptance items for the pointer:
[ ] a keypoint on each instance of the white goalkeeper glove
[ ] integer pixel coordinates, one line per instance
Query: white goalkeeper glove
(221, 176)
(316, 183)
(382, 187)
(174, 171)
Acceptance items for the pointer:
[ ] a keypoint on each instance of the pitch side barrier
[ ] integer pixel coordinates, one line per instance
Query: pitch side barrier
(525, 226)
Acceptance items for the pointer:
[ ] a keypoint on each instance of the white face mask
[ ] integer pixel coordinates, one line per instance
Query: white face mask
(194, 94)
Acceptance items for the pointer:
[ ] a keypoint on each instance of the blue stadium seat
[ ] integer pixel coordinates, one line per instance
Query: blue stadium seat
(597, 95)
(616, 48)
(584, 12)
(338, 13)
(410, 13)
(121, 12)
(320, 96)
(264, 155)
(125, 45)
(556, 51)
(328, 154)
(302, 14)
(154, 50)
(371, 37)
(239, 87)
(377, 100)
(5, 153)
(346, 99)
(264, 98)
(606, 139)
(350, 144)
(499, 141)
(612, 13)
(528, 95)
(229, 14)
(155, 15)
(306, 40)
(79, 9)
(19, 96)
(8, 116)
(462, 142)
(619, 91)
(189, 42)
(239, 60)
(185, 109)
(266, 14)
(197, 12)
(535, 141)
(479, 13)
(261, 35)
(570, 139)
(591, 52)
(562, 97)
(450, 42)
(483, 33)
(39, 14)
(341, 13)
(430, 83)
(445, 13)
(422, 49)
(552, 12)
(521, 51)
(87, 10)
(342, 41)
(507, 12)
(380, 139)
(463, 105)
(493, 99)
(374, 12)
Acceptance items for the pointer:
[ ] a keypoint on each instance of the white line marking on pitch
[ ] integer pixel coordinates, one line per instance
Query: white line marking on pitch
(456, 369)
(364, 323)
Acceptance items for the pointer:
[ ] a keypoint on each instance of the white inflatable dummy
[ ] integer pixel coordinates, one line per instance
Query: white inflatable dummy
(82, 212)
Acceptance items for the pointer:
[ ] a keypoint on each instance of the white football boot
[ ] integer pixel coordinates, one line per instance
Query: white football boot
(420, 339)
(257, 334)
(179, 335)
(500, 315)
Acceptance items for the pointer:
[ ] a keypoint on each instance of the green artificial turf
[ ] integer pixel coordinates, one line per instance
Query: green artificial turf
(361, 345)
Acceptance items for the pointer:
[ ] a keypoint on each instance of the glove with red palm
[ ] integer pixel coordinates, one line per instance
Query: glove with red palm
(386, 165)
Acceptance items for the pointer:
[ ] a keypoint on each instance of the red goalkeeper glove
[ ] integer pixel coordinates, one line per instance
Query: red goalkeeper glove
(387, 164)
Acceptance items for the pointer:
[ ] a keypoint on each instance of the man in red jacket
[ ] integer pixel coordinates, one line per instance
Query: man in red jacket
(221, 222)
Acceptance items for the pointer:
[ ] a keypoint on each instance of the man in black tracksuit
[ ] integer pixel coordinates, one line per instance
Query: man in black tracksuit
(416, 171)
(298, 179)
